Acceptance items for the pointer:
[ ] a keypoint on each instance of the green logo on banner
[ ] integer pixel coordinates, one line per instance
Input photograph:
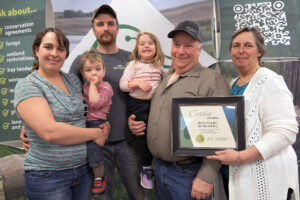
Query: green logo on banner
(4, 102)
(2, 58)
(3, 91)
(5, 125)
(2, 81)
(5, 113)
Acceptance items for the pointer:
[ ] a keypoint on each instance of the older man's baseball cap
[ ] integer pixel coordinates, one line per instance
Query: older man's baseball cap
(189, 27)
(104, 9)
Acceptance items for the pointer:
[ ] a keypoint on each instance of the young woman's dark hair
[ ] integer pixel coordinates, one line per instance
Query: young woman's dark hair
(61, 39)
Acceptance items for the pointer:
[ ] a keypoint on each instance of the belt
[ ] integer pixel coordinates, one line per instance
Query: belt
(188, 161)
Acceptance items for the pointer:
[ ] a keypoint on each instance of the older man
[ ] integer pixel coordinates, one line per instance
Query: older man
(180, 177)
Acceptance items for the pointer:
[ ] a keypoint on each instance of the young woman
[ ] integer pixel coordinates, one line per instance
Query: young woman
(50, 103)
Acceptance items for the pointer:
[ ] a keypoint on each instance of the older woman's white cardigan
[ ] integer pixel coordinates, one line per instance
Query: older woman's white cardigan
(272, 127)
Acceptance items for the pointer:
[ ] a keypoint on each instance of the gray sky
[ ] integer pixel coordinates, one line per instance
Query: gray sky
(89, 5)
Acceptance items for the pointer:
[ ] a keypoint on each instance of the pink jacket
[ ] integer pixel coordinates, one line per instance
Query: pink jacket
(136, 70)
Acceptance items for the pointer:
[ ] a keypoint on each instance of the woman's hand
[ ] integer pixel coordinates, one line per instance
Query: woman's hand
(136, 127)
(102, 136)
(232, 157)
(106, 127)
(24, 139)
(227, 157)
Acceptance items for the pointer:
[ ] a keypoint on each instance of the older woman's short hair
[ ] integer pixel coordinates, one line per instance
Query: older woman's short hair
(260, 42)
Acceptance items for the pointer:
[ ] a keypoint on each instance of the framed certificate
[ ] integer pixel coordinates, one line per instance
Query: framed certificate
(203, 125)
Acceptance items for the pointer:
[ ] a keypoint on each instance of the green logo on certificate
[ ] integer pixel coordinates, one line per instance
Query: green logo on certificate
(200, 139)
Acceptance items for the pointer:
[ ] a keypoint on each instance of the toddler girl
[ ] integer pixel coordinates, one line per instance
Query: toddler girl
(140, 78)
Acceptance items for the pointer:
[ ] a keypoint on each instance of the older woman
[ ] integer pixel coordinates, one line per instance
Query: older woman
(267, 168)
(51, 105)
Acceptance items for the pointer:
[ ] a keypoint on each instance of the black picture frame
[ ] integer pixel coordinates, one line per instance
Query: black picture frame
(181, 136)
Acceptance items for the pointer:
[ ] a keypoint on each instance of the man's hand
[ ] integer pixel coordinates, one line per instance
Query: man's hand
(136, 127)
(24, 139)
(104, 131)
(201, 189)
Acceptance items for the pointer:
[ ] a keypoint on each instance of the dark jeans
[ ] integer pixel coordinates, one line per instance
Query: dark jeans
(68, 184)
(94, 151)
(124, 158)
(141, 110)
(175, 181)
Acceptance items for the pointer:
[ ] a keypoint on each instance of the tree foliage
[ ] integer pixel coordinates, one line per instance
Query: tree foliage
(74, 14)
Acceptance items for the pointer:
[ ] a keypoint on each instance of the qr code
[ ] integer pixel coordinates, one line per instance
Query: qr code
(268, 17)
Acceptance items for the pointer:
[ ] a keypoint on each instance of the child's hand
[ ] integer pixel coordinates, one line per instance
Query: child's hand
(95, 80)
(133, 85)
(146, 87)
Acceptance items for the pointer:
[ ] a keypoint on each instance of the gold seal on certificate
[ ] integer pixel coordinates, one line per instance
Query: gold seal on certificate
(203, 125)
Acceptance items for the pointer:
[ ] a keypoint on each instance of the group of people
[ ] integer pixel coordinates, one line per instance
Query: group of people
(113, 109)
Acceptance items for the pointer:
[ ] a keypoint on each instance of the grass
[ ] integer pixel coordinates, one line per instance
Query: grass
(7, 150)
(120, 191)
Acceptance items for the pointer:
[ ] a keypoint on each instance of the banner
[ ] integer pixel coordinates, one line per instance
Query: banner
(139, 15)
(278, 21)
(20, 21)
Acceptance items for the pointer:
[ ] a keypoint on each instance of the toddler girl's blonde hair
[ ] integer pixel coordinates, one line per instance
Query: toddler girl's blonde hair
(159, 57)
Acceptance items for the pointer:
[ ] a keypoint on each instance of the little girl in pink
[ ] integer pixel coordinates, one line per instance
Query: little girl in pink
(141, 77)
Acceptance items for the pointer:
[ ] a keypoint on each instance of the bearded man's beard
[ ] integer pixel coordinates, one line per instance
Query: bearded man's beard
(104, 41)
